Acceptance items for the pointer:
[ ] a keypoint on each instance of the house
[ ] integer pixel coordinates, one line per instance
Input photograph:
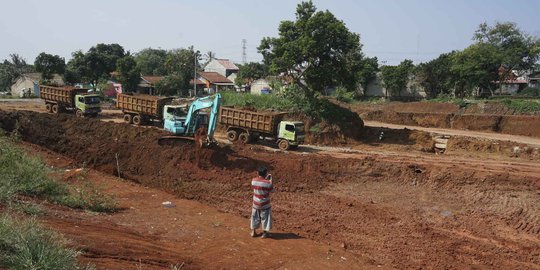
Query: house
(260, 86)
(510, 82)
(147, 84)
(534, 79)
(224, 67)
(213, 82)
(28, 84)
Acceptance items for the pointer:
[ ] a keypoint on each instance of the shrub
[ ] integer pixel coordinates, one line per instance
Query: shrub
(530, 92)
(522, 105)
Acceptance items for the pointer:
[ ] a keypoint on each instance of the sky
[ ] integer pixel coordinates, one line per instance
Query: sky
(392, 30)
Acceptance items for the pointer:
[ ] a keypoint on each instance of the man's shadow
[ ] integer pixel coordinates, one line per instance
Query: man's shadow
(284, 236)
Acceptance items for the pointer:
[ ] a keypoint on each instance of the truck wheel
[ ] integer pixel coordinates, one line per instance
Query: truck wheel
(283, 145)
(244, 137)
(79, 113)
(127, 118)
(232, 135)
(48, 107)
(137, 120)
(55, 108)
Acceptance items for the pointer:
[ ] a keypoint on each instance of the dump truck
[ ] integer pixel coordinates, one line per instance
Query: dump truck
(70, 99)
(141, 109)
(248, 126)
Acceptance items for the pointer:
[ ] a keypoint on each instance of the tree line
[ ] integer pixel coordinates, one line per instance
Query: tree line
(313, 53)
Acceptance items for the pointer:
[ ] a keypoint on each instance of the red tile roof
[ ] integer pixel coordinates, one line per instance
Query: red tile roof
(214, 77)
(227, 64)
(152, 79)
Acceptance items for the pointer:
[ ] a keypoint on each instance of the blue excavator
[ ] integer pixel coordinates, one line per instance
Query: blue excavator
(198, 123)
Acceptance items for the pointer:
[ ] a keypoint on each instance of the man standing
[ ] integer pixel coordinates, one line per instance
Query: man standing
(261, 211)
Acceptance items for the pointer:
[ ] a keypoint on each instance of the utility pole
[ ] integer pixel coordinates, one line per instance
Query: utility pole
(244, 56)
(195, 74)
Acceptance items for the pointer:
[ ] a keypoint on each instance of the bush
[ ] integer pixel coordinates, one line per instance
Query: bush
(530, 92)
(343, 95)
(26, 245)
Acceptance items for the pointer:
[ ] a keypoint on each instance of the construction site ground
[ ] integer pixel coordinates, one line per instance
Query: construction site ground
(386, 203)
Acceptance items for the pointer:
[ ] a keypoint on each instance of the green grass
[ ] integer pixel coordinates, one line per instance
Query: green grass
(522, 105)
(22, 175)
(24, 244)
(259, 102)
(28, 208)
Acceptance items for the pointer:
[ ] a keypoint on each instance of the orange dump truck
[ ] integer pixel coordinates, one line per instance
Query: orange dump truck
(140, 109)
(70, 99)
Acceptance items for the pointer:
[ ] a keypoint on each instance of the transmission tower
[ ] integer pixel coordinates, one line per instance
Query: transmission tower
(244, 56)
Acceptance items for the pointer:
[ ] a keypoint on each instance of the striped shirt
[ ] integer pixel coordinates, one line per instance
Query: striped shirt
(261, 193)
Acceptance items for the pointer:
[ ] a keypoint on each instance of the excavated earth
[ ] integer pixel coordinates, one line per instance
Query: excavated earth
(402, 213)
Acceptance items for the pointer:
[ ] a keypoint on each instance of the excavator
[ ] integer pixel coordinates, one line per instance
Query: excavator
(196, 125)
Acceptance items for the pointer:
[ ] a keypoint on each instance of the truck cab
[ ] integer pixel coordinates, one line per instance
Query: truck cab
(291, 133)
(174, 118)
(88, 104)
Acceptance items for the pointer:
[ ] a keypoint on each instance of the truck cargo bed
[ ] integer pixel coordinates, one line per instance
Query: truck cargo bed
(142, 104)
(63, 95)
(266, 122)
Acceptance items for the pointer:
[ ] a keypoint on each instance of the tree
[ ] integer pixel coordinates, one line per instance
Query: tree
(313, 50)
(128, 73)
(101, 60)
(11, 69)
(49, 64)
(367, 72)
(518, 51)
(76, 69)
(249, 72)
(395, 78)
(474, 68)
(172, 85)
(151, 61)
(181, 64)
(436, 75)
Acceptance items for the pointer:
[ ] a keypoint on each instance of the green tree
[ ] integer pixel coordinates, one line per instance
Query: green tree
(436, 75)
(101, 60)
(313, 50)
(367, 72)
(49, 64)
(172, 85)
(11, 69)
(151, 61)
(395, 78)
(249, 72)
(474, 68)
(128, 73)
(181, 64)
(76, 69)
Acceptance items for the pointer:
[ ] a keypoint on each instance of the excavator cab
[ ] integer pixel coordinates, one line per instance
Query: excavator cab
(186, 127)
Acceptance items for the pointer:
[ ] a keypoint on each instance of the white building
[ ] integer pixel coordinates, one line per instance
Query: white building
(224, 67)
(28, 84)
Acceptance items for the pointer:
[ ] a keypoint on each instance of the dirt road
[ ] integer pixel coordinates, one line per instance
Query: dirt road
(466, 133)
(395, 210)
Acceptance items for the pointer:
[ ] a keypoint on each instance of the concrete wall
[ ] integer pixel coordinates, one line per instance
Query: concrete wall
(259, 85)
(22, 84)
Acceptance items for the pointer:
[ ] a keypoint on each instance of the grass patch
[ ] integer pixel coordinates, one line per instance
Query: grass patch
(22, 175)
(28, 209)
(522, 105)
(24, 244)
(259, 102)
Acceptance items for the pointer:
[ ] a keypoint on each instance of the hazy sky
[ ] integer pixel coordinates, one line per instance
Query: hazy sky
(392, 30)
